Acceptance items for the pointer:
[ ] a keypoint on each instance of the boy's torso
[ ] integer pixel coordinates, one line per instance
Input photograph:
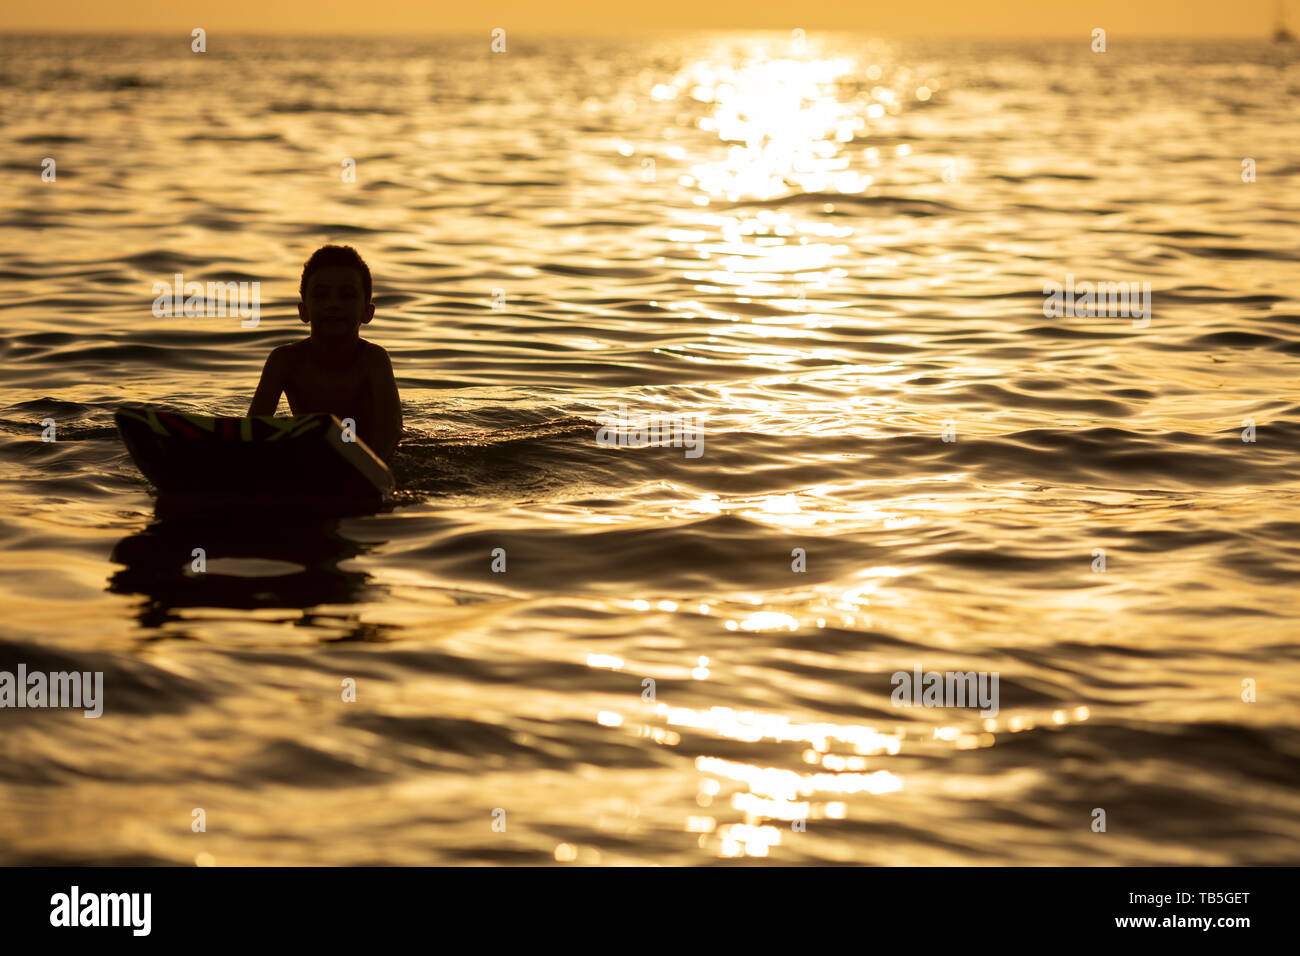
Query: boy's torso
(342, 390)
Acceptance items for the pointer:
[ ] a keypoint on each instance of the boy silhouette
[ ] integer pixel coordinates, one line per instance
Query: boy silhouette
(334, 370)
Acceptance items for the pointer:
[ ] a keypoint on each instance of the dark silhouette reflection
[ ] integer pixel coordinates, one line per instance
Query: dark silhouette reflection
(252, 558)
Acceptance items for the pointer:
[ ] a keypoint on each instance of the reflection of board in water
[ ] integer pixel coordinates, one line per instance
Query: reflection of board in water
(299, 463)
(294, 564)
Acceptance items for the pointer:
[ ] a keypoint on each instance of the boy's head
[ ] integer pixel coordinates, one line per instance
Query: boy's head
(335, 290)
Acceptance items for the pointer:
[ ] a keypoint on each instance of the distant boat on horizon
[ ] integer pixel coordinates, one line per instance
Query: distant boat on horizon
(1281, 34)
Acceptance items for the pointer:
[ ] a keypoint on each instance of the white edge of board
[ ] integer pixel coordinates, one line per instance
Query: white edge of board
(360, 456)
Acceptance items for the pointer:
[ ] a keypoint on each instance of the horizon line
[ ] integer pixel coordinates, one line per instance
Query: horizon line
(631, 33)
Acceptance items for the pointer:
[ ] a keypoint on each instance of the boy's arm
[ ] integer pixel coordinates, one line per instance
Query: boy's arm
(387, 405)
(267, 398)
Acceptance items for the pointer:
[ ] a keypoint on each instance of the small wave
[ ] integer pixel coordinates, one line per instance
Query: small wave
(902, 205)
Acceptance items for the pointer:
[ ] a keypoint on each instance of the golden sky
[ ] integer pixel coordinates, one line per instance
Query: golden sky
(1206, 18)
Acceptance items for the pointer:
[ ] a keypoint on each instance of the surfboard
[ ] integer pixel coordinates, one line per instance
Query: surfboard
(307, 460)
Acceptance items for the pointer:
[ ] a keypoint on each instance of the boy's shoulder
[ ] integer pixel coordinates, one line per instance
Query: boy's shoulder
(289, 349)
(373, 354)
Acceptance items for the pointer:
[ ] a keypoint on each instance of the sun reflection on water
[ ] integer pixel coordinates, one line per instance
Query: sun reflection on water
(786, 123)
(840, 755)
(797, 132)
(792, 125)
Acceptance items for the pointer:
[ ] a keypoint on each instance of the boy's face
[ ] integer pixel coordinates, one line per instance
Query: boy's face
(335, 303)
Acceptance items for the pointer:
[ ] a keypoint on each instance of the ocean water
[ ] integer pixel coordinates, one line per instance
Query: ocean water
(832, 249)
